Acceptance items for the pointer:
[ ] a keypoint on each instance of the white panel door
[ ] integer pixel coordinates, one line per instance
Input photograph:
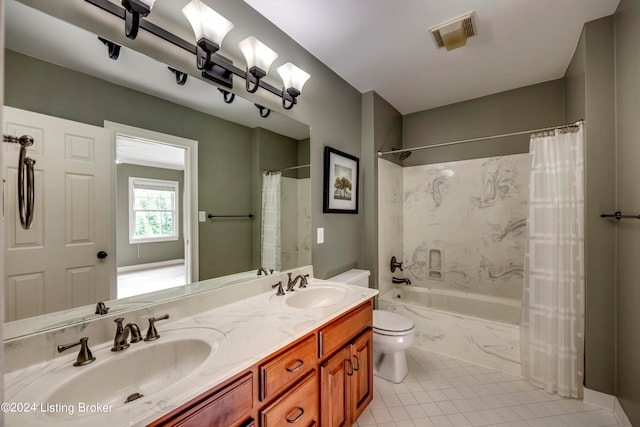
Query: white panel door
(54, 265)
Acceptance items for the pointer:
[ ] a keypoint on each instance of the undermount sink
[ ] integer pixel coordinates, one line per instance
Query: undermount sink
(317, 296)
(143, 369)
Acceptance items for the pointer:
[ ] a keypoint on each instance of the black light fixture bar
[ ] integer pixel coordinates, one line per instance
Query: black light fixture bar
(218, 61)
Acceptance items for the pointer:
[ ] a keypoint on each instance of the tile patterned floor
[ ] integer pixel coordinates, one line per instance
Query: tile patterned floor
(444, 392)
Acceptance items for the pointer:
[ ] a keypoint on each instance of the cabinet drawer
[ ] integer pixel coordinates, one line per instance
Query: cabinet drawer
(285, 369)
(343, 330)
(299, 407)
(226, 407)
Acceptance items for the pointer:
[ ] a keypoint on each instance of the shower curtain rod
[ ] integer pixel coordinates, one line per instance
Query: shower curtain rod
(481, 138)
(288, 169)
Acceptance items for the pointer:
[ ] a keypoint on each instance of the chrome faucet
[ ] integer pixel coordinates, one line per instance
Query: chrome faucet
(264, 270)
(152, 332)
(122, 334)
(84, 356)
(397, 280)
(292, 283)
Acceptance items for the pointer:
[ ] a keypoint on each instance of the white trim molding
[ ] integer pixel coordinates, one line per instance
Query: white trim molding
(149, 265)
(608, 402)
(190, 215)
(620, 415)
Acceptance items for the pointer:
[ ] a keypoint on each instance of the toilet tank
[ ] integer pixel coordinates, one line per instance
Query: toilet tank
(353, 277)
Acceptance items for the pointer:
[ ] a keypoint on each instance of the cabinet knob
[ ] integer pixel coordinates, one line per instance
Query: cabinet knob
(295, 419)
(102, 255)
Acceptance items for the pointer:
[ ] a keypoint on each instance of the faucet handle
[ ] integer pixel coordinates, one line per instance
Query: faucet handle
(279, 286)
(101, 308)
(152, 333)
(84, 356)
(304, 281)
(395, 264)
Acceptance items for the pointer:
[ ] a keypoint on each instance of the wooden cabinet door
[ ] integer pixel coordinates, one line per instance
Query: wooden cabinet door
(362, 379)
(334, 389)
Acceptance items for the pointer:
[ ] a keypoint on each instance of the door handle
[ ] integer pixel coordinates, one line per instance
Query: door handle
(102, 255)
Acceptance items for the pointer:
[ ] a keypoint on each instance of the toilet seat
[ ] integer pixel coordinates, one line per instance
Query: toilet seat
(391, 324)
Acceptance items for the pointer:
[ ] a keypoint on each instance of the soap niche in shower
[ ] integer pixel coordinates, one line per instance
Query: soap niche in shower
(436, 262)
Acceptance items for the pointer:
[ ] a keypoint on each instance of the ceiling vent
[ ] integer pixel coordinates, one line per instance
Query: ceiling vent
(455, 32)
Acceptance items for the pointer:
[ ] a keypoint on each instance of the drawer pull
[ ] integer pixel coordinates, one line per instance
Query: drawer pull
(295, 367)
(357, 366)
(350, 365)
(297, 418)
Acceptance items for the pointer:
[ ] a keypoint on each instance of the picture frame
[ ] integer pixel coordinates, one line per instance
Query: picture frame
(341, 182)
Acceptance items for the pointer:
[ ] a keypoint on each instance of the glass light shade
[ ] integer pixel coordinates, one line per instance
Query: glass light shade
(292, 76)
(257, 54)
(206, 22)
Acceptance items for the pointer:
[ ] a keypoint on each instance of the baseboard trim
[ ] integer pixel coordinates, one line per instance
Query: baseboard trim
(621, 416)
(149, 265)
(608, 402)
(599, 399)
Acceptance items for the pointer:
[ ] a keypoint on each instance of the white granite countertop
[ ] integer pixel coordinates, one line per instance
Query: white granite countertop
(240, 334)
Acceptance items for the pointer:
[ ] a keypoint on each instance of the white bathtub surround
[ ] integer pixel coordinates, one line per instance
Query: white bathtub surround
(463, 225)
(263, 320)
(552, 328)
(295, 235)
(271, 220)
(488, 343)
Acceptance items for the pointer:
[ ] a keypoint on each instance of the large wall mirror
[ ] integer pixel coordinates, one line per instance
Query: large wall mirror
(162, 224)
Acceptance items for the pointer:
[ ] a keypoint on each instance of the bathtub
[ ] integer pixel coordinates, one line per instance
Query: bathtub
(475, 305)
(480, 329)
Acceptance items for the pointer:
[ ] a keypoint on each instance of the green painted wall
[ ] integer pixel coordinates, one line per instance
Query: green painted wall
(329, 105)
(590, 94)
(381, 131)
(224, 149)
(627, 69)
(143, 253)
(530, 107)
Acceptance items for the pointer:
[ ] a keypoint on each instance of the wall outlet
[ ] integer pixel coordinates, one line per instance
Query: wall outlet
(320, 236)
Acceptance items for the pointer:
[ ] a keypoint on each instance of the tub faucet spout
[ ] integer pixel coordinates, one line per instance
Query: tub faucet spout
(398, 280)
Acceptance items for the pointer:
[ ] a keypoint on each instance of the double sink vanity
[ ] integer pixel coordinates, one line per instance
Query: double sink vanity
(240, 355)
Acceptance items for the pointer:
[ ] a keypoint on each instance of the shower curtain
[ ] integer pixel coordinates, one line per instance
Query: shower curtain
(552, 328)
(270, 243)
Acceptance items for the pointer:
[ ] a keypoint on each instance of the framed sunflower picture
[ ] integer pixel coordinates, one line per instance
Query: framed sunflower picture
(340, 182)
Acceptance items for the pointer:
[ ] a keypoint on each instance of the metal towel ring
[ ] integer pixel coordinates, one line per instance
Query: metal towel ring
(25, 171)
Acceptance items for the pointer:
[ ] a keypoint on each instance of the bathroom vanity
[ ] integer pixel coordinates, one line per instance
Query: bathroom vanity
(254, 359)
(331, 366)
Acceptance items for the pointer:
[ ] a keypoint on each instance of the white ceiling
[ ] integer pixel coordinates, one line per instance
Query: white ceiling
(385, 46)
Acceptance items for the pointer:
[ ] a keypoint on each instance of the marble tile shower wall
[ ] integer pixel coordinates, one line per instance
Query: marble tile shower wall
(464, 225)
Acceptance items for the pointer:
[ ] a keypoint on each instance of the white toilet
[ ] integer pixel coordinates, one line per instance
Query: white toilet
(392, 333)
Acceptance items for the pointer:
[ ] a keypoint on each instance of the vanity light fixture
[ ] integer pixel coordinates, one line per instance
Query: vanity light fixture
(135, 9)
(259, 58)
(293, 78)
(210, 28)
